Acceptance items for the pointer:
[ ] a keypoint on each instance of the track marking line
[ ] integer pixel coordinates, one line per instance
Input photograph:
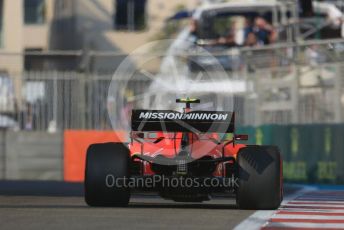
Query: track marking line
(312, 207)
(312, 210)
(318, 213)
(309, 216)
(322, 221)
(307, 209)
(309, 226)
(316, 203)
(260, 218)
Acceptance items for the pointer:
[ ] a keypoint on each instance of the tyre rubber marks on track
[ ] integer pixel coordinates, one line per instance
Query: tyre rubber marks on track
(311, 210)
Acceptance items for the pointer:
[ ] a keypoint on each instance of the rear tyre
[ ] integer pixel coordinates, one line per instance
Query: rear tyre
(260, 178)
(105, 163)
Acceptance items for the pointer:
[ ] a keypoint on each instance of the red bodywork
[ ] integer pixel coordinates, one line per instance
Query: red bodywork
(169, 144)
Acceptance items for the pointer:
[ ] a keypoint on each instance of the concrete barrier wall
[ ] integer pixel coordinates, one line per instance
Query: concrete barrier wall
(2, 154)
(34, 156)
(312, 153)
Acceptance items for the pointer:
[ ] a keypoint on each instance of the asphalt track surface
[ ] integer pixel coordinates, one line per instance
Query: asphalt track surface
(54, 205)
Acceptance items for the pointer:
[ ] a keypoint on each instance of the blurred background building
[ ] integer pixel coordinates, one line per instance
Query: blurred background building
(60, 35)
(29, 26)
(25, 26)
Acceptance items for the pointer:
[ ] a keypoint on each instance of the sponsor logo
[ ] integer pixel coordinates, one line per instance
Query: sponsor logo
(183, 116)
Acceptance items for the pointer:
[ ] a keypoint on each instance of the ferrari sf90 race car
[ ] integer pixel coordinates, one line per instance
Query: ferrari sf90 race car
(184, 156)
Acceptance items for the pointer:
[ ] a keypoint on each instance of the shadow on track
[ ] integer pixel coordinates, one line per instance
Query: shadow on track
(131, 206)
(182, 206)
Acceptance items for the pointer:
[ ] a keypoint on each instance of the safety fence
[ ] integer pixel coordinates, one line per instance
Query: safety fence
(298, 83)
(56, 101)
(106, 62)
(311, 153)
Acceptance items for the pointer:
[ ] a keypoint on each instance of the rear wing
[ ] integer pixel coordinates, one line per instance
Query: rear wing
(172, 121)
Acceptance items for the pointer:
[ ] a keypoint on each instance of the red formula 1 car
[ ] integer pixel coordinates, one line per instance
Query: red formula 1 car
(184, 156)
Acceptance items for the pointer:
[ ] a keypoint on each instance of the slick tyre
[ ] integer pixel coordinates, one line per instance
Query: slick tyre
(104, 164)
(259, 171)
